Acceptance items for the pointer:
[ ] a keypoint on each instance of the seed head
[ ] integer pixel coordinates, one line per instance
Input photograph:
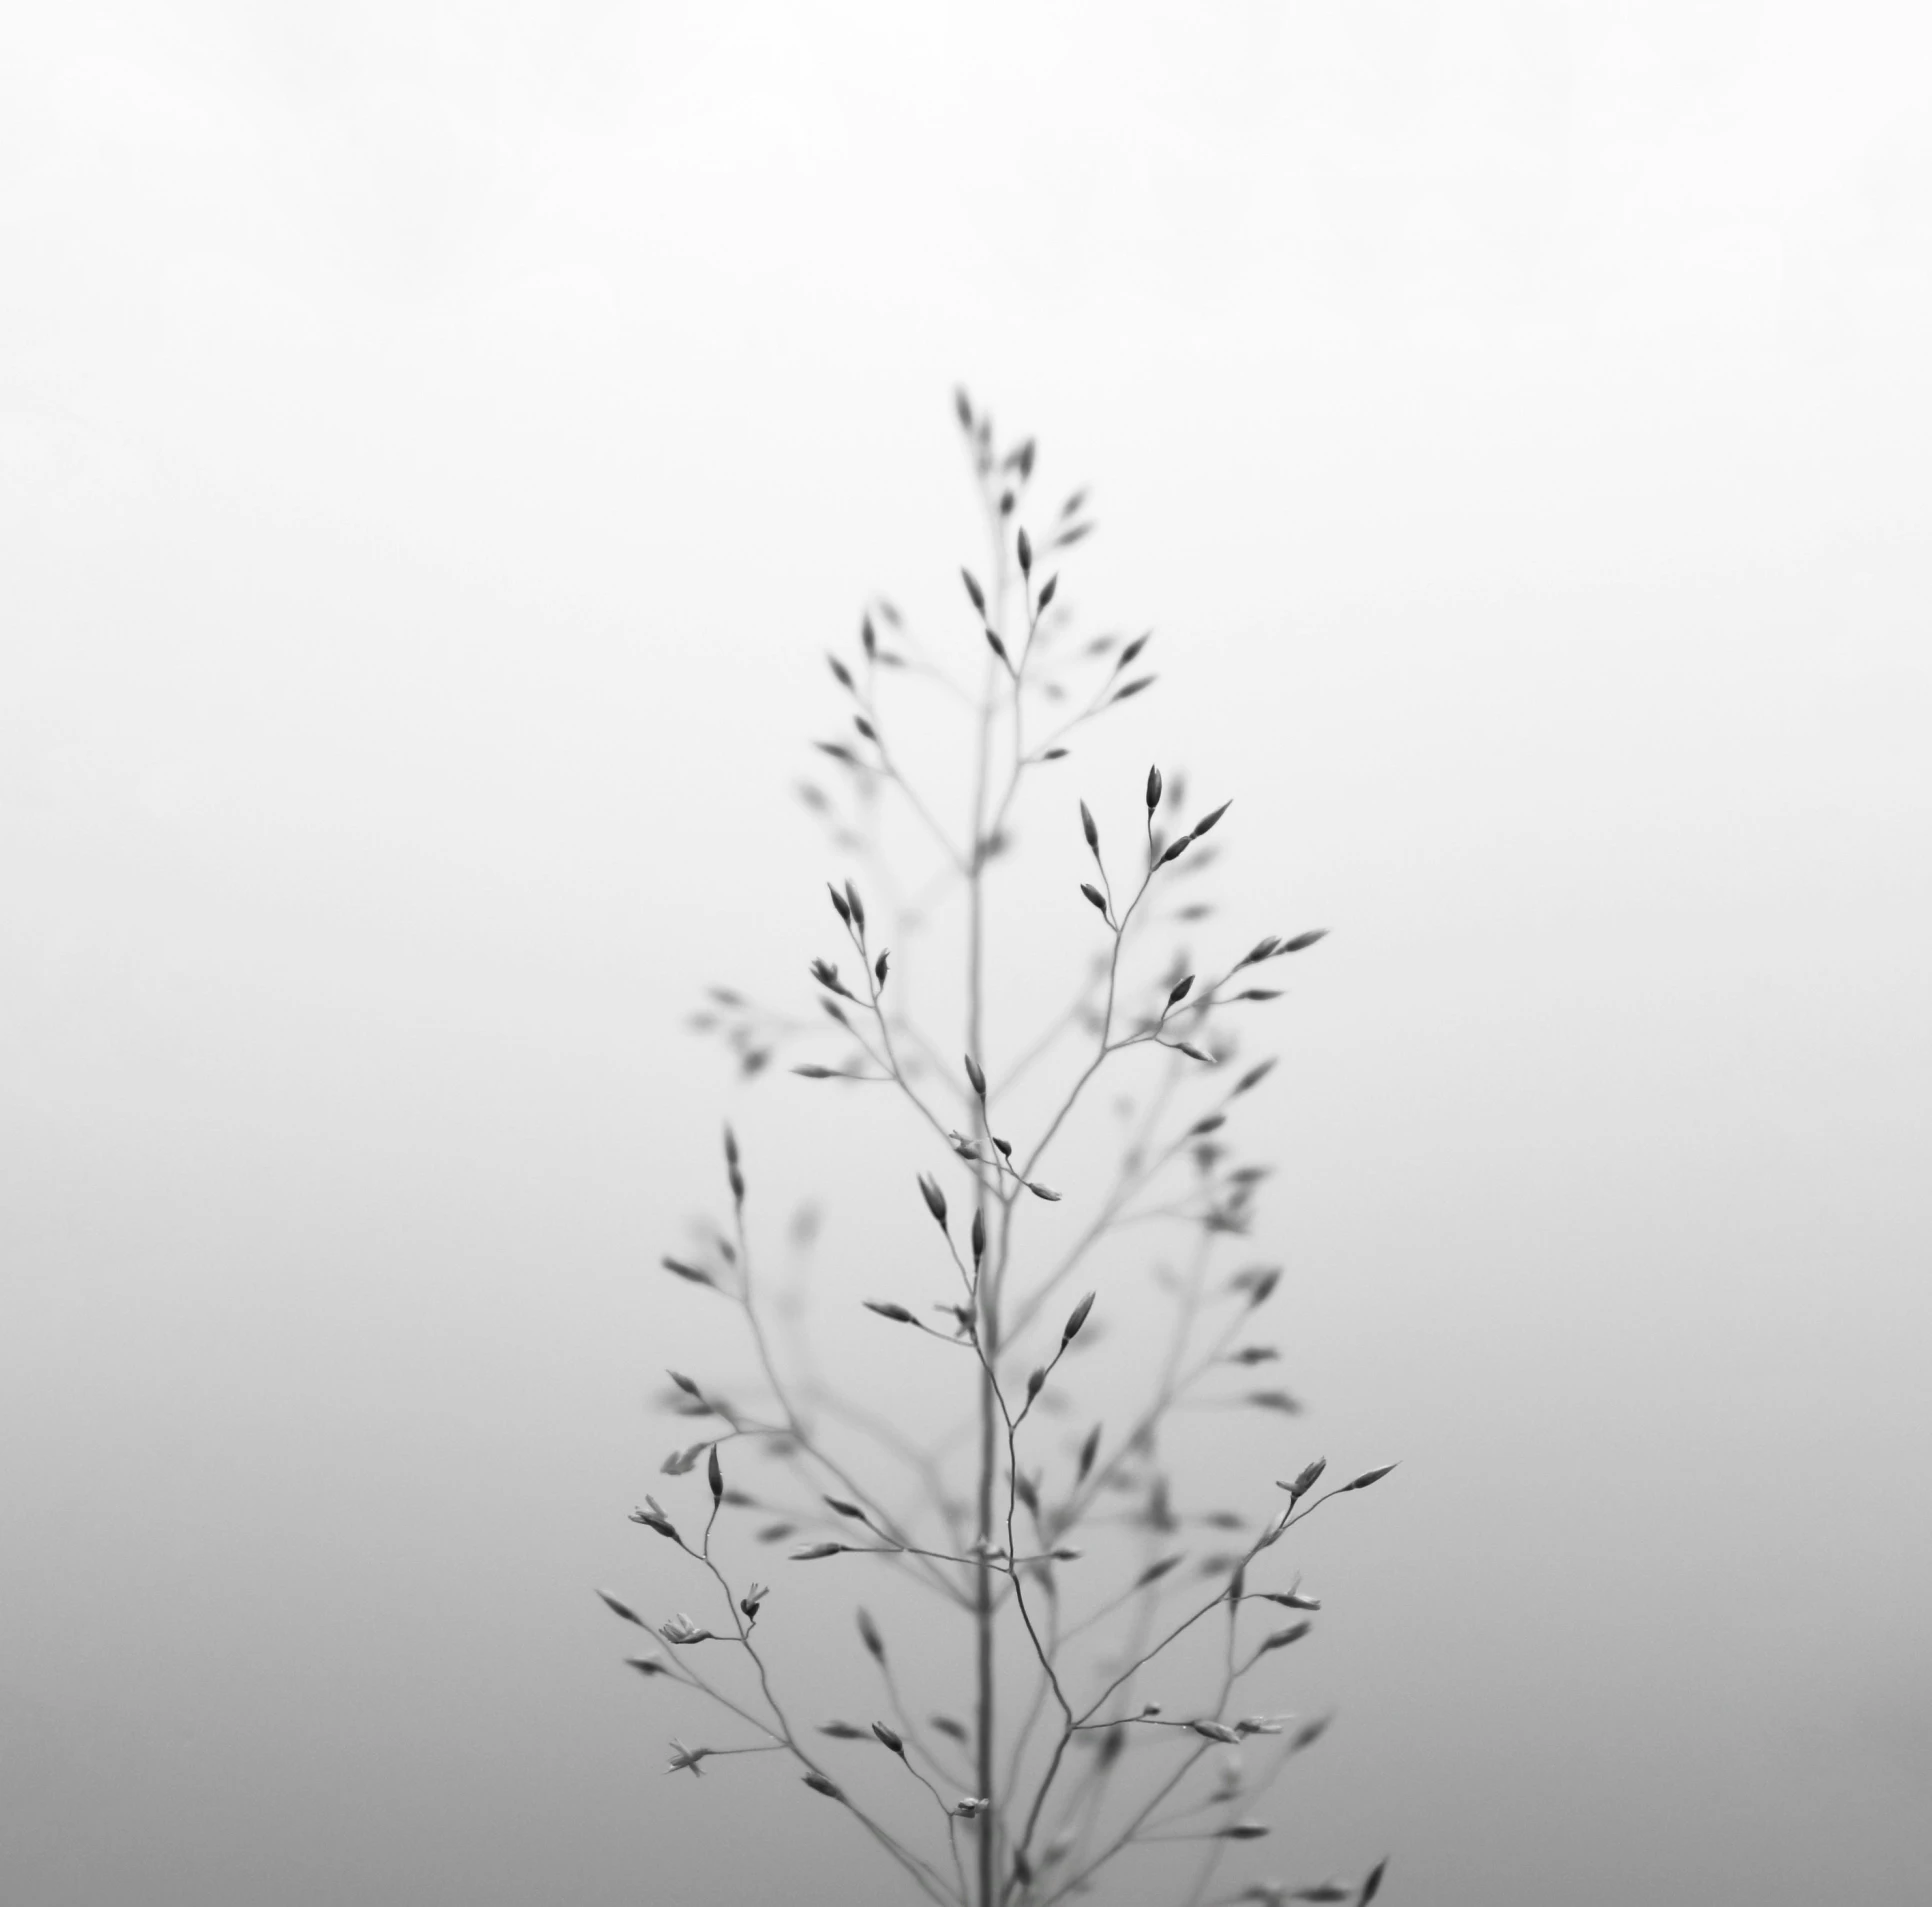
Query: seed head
(1026, 553)
(1306, 1479)
(1089, 827)
(974, 1077)
(1089, 1449)
(1304, 940)
(1094, 894)
(1254, 1076)
(653, 1518)
(1153, 789)
(818, 1783)
(1283, 1637)
(1367, 1477)
(886, 1309)
(817, 1552)
(889, 1738)
(623, 1611)
(974, 593)
(1373, 1885)
(1047, 592)
(870, 1636)
(1077, 1319)
(934, 1197)
(714, 1475)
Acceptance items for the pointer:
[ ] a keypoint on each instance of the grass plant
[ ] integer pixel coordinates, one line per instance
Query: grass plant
(1071, 1556)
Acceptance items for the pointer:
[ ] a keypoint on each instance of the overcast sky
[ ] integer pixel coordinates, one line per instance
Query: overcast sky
(438, 445)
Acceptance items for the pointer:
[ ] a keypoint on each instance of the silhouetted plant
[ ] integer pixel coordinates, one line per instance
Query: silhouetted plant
(1077, 1766)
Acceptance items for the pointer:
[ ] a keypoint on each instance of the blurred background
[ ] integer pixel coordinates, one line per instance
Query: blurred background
(438, 445)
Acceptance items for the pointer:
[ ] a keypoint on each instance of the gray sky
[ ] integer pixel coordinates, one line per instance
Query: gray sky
(438, 444)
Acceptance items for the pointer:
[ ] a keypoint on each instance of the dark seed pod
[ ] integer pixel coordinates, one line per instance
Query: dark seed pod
(1367, 1477)
(1088, 827)
(1304, 940)
(623, 1611)
(979, 1235)
(975, 594)
(1047, 592)
(1254, 1076)
(896, 1312)
(1079, 1317)
(1089, 1449)
(817, 1782)
(974, 1077)
(1201, 827)
(889, 1738)
(1094, 894)
(1153, 789)
(934, 1197)
(870, 1636)
(714, 1475)
(1282, 1638)
(840, 905)
(1180, 991)
(1026, 553)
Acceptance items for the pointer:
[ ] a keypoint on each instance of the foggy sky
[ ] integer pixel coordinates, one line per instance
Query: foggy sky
(438, 446)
